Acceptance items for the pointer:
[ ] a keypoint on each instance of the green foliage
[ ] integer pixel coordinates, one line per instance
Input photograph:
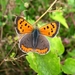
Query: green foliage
(58, 16)
(48, 64)
(56, 45)
(69, 66)
(71, 3)
(72, 53)
(61, 58)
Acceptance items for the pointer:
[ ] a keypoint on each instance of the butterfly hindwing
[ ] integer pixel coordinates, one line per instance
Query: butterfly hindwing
(25, 43)
(42, 45)
(23, 26)
(50, 29)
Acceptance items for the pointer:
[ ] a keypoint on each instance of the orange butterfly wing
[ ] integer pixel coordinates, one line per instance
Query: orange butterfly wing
(50, 29)
(23, 26)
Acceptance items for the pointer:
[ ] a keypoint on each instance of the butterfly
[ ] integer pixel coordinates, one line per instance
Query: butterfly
(34, 39)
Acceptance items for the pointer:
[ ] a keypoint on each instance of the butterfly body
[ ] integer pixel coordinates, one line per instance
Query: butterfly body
(35, 36)
(34, 40)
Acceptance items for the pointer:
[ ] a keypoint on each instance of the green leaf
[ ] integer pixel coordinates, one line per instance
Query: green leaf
(69, 66)
(72, 53)
(12, 55)
(58, 16)
(56, 45)
(3, 4)
(71, 3)
(48, 64)
(0, 23)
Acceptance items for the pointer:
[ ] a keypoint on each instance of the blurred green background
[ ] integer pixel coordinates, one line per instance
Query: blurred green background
(62, 55)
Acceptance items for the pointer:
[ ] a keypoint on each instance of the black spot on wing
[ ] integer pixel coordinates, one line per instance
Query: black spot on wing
(22, 21)
(23, 30)
(44, 28)
(52, 25)
(25, 24)
(57, 25)
(51, 30)
(28, 26)
(48, 33)
(47, 27)
(18, 18)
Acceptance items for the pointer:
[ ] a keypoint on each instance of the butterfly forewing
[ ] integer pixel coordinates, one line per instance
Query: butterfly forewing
(23, 26)
(50, 29)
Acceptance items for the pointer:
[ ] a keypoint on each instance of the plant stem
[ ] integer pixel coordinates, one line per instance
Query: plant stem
(45, 12)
